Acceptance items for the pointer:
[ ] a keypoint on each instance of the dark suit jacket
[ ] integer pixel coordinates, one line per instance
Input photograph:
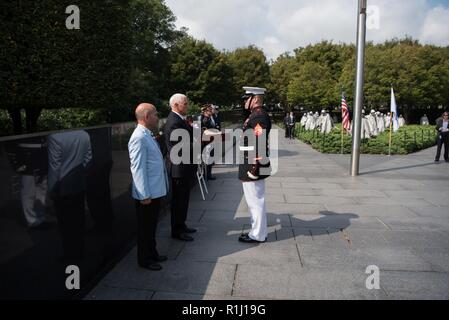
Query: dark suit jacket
(182, 170)
(217, 121)
(439, 125)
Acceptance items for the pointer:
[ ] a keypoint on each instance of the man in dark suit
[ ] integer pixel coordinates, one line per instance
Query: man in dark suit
(443, 136)
(291, 122)
(181, 172)
(207, 123)
(216, 122)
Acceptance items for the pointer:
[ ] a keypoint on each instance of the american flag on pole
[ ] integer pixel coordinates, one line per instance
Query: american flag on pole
(346, 123)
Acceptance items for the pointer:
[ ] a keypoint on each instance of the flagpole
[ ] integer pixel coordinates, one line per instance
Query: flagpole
(391, 132)
(341, 105)
(358, 96)
(393, 109)
(342, 138)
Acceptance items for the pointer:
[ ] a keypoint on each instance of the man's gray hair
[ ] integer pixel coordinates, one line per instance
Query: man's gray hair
(177, 98)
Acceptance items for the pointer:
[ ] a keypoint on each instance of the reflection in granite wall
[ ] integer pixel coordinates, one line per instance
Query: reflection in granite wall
(64, 199)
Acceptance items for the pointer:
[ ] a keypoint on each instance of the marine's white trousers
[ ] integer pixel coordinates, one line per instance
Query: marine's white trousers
(255, 198)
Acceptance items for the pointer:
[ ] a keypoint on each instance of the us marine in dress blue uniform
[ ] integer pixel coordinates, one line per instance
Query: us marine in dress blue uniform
(256, 165)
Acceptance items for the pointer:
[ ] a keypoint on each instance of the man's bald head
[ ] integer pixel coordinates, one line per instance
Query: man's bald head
(146, 115)
(143, 109)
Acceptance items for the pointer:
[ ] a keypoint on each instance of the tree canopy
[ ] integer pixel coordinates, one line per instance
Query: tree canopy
(129, 51)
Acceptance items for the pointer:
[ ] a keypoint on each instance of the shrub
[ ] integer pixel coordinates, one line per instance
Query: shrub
(406, 140)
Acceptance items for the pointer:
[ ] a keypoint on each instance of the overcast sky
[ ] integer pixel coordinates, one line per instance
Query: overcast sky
(277, 26)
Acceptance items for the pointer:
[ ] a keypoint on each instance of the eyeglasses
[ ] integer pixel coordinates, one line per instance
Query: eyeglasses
(445, 115)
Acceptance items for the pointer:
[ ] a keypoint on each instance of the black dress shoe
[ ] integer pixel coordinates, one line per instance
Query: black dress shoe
(243, 235)
(182, 237)
(151, 266)
(436, 161)
(247, 239)
(189, 230)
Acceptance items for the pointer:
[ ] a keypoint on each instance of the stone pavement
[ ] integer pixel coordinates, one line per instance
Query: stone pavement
(326, 228)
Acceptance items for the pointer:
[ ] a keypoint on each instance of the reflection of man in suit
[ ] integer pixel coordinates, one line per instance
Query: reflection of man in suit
(98, 193)
(69, 154)
(150, 184)
(181, 174)
(29, 159)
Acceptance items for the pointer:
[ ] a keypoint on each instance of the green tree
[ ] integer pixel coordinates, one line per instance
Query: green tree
(333, 56)
(332, 59)
(311, 86)
(200, 71)
(153, 37)
(250, 68)
(45, 65)
(281, 74)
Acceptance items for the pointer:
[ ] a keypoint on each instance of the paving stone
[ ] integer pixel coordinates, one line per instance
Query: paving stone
(197, 277)
(110, 293)
(189, 296)
(293, 282)
(416, 239)
(360, 238)
(421, 223)
(320, 200)
(416, 285)
(430, 212)
(269, 253)
(290, 208)
(373, 210)
(319, 186)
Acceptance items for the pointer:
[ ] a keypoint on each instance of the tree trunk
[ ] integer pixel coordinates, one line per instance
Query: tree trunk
(32, 114)
(16, 118)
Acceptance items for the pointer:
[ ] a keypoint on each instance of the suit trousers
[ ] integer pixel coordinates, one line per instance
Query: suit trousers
(179, 204)
(70, 213)
(440, 141)
(255, 198)
(147, 218)
(290, 131)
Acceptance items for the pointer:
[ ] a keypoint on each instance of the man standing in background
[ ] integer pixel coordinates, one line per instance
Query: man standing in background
(443, 137)
(291, 122)
(150, 184)
(181, 173)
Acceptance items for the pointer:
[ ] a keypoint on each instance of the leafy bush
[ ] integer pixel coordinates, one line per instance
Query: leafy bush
(407, 139)
(5, 123)
(57, 119)
(70, 118)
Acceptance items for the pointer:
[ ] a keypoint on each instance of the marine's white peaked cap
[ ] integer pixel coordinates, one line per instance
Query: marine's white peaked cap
(254, 91)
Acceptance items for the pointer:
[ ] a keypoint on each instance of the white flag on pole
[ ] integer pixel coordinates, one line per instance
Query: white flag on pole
(394, 111)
